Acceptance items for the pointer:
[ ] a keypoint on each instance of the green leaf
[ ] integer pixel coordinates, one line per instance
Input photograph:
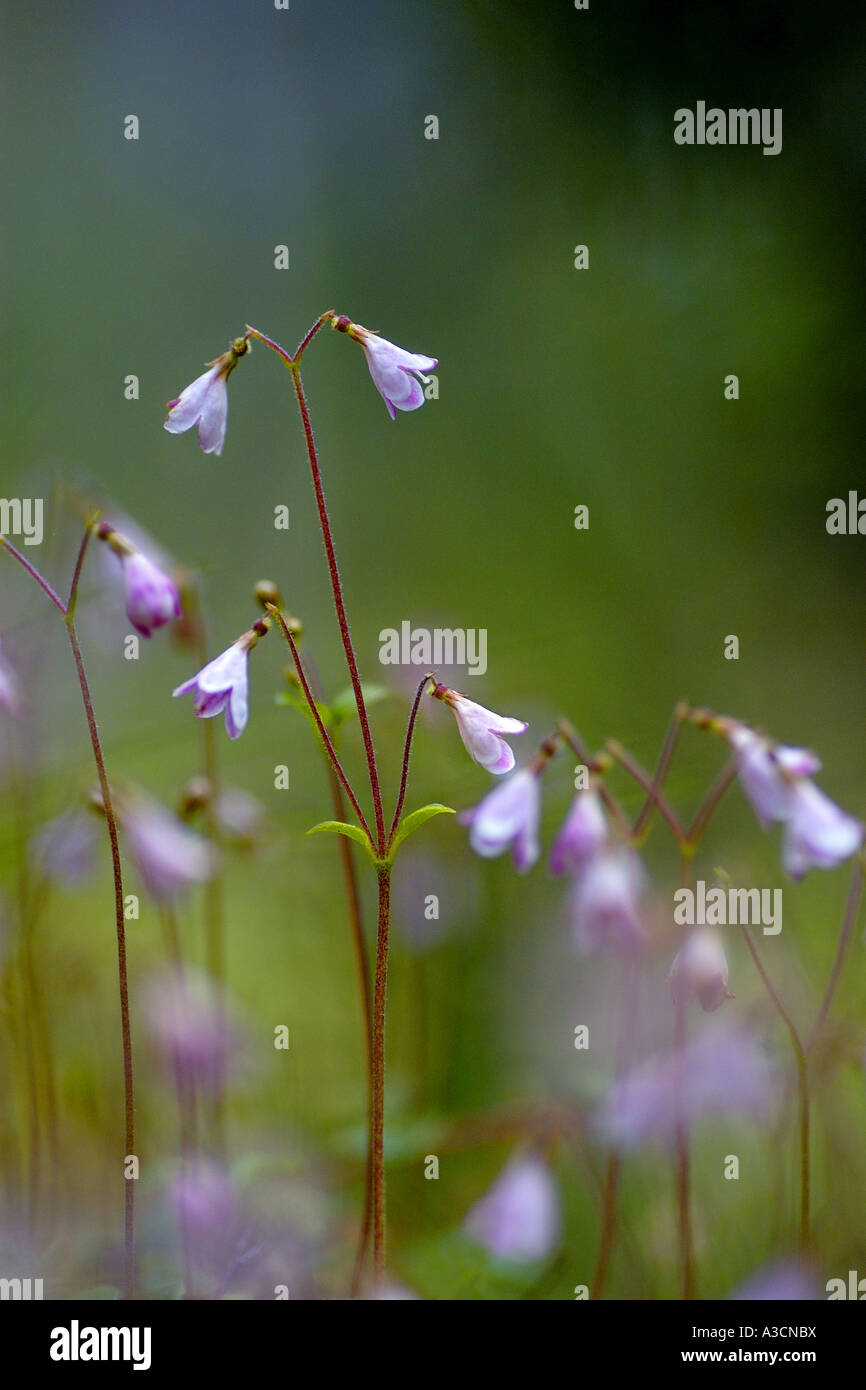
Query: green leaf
(341, 827)
(344, 707)
(409, 824)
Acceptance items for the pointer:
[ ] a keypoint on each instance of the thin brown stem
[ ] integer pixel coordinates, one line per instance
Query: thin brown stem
(308, 337)
(123, 982)
(634, 769)
(384, 919)
(271, 343)
(76, 573)
(365, 990)
(67, 612)
(314, 710)
(662, 769)
(855, 894)
(340, 607)
(407, 752)
(34, 574)
(711, 801)
(803, 1085)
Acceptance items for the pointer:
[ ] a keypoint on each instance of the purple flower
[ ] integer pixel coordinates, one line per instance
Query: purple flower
(818, 833)
(766, 771)
(205, 401)
(170, 858)
(700, 970)
(481, 730)
(606, 902)
(10, 699)
(721, 1070)
(65, 848)
(781, 1283)
(152, 600)
(776, 779)
(209, 1211)
(395, 371)
(507, 817)
(187, 1023)
(518, 1218)
(584, 832)
(223, 685)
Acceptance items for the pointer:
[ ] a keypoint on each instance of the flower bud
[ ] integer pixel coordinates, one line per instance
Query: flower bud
(700, 970)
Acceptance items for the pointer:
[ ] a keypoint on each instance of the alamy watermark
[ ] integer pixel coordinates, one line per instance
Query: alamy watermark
(438, 646)
(22, 516)
(736, 126)
(722, 907)
(20, 1290)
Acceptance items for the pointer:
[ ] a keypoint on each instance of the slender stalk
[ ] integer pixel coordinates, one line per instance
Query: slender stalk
(76, 573)
(634, 769)
(708, 806)
(662, 769)
(314, 710)
(359, 943)
(269, 342)
(67, 611)
(123, 981)
(308, 337)
(340, 606)
(34, 574)
(353, 895)
(855, 894)
(407, 751)
(378, 1070)
(803, 1085)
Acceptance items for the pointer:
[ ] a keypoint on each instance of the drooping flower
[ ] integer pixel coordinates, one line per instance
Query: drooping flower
(223, 685)
(767, 771)
(205, 401)
(395, 371)
(152, 599)
(700, 970)
(170, 857)
(584, 832)
(721, 1070)
(606, 902)
(518, 1218)
(10, 698)
(818, 834)
(777, 781)
(506, 818)
(481, 730)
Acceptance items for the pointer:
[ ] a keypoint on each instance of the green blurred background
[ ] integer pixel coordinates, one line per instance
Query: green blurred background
(557, 387)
